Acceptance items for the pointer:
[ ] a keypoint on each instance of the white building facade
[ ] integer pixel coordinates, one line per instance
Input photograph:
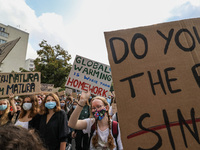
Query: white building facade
(17, 56)
(29, 65)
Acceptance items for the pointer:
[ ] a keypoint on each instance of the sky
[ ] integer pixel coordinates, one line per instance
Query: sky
(78, 26)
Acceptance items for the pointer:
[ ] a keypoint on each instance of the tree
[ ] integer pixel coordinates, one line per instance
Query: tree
(53, 64)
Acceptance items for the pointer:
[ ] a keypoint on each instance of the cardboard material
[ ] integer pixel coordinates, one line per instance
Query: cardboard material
(62, 93)
(47, 87)
(74, 95)
(6, 48)
(23, 83)
(86, 73)
(156, 75)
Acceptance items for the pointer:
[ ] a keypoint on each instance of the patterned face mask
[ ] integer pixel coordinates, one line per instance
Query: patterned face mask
(99, 114)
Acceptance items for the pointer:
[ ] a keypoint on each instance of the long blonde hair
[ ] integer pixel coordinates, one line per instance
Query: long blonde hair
(110, 141)
(4, 118)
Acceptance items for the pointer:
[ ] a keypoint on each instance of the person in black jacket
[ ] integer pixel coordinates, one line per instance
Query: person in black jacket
(53, 127)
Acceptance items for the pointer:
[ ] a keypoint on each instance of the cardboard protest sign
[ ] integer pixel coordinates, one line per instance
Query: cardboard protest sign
(156, 79)
(61, 93)
(23, 83)
(86, 73)
(47, 87)
(6, 48)
(74, 94)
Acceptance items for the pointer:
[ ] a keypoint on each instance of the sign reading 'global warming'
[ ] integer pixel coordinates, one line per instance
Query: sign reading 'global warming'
(86, 73)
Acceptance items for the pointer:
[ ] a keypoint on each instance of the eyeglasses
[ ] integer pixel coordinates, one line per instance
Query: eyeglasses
(97, 107)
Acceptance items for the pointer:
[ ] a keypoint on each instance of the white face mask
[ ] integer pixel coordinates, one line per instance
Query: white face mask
(27, 106)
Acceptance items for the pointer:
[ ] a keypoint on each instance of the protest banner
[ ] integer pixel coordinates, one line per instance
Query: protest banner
(86, 73)
(156, 78)
(61, 93)
(74, 95)
(23, 83)
(46, 87)
(6, 48)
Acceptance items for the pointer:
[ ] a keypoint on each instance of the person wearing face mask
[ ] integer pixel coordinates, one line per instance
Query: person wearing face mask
(81, 138)
(29, 113)
(5, 113)
(53, 128)
(18, 103)
(102, 137)
(63, 105)
(39, 98)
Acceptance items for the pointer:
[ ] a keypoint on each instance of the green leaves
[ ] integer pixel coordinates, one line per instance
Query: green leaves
(53, 64)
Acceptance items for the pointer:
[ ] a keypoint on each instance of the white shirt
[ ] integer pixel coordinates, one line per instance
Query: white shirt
(22, 124)
(103, 136)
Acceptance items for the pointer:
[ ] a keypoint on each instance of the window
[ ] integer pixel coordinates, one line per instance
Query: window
(4, 34)
(2, 29)
(2, 41)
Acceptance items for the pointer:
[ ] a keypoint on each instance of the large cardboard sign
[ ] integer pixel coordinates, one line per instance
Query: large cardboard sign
(6, 48)
(47, 87)
(86, 73)
(23, 83)
(156, 74)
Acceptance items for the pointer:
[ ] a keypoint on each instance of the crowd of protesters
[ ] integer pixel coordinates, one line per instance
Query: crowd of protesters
(52, 121)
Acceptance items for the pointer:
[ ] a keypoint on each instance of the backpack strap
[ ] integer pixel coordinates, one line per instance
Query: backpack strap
(115, 131)
(116, 117)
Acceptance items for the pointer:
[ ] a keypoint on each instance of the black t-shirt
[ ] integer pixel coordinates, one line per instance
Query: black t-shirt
(55, 131)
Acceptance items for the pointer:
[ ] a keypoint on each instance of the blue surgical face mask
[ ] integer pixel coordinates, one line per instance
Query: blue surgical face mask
(62, 104)
(50, 105)
(74, 106)
(109, 100)
(3, 107)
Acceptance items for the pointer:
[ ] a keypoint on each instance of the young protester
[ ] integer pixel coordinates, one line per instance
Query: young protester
(40, 99)
(16, 115)
(17, 138)
(63, 105)
(81, 138)
(72, 106)
(5, 113)
(53, 128)
(102, 137)
(29, 117)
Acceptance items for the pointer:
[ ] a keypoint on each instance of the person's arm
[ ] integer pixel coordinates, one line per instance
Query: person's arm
(63, 145)
(12, 102)
(73, 121)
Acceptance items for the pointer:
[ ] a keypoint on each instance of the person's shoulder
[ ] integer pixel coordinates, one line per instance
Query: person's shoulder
(37, 116)
(62, 112)
(91, 120)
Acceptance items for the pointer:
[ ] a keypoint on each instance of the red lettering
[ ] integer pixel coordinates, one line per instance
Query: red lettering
(99, 91)
(70, 82)
(96, 87)
(104, 93)
(75, 83)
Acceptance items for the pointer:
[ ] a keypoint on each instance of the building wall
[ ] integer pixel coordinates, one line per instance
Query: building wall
(17, 56)
(29, 64)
